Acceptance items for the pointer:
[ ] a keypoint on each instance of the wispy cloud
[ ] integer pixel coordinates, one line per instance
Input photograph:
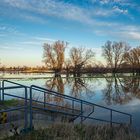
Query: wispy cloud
(36, 41)
(120, 10)
(45, 39)
(131, 35)
(33, 18)
(110, 2)
(91, 16)
(31, 42)
(121, 32)
(50, 8)
(7, 28)
(9, 48)
(65, 10)
(130, 32)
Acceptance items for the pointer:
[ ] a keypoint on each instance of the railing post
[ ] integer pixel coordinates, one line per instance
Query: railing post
(44, 100)
(81, 111)
(111, 117)
(130, 119)
(93, 109)
(72, 106)
(26, 111)
(31, 114)
(2, 90)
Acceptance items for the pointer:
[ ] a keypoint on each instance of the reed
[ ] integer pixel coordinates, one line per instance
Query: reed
(64, 131)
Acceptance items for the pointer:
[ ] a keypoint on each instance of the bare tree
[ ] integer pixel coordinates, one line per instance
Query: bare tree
(67, 66)
(114, 54)
(54, 55)
(132, 58)
(79, 58)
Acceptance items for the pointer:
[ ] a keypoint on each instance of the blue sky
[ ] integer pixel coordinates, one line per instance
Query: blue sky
(26, 24)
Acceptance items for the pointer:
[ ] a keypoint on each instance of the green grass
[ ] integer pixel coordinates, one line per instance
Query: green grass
(8, 103)
(78, 132)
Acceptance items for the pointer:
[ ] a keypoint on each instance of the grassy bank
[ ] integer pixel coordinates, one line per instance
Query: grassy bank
(8, 103)
(78, 132)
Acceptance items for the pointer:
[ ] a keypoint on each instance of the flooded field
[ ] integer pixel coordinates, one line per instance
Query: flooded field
(118, 92)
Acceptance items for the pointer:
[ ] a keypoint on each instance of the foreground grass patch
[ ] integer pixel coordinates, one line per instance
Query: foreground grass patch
(8, 103)
(78, 132)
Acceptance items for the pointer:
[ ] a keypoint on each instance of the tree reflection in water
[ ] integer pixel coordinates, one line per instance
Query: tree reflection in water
(118, 90)
(77, 86)
(55, 84)
(73, 86)
(121, 90)
(80, 86)
(132, 85)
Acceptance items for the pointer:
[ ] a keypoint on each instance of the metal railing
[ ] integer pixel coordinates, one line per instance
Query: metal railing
(82, 103)
(17, 107)
(75, 109)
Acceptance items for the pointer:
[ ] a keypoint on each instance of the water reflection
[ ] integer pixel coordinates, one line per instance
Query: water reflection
(103, 90)
(56, 84)
(121, 90)
(73, 86)
(77, 86)
(132, 85)
(118, 92)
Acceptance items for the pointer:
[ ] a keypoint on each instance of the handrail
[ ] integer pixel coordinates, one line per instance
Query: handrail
(9, 87)
(25, 98)
(78, 115)
(80, 100)
(14, 83)
(12, 109)
(73, 99)
(60, 95)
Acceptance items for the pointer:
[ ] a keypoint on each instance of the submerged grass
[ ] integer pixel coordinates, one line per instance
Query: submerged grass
(78, 132)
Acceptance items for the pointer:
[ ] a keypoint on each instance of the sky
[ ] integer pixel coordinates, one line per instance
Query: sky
(25, 25)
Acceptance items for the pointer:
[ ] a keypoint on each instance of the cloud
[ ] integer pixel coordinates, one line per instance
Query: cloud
(7, 28)
(50, 8)
(30, 42)
(121, 32)
(130, 32)
(33, 18)
(45, 39)
(9, 48)
(92, 16)
(65, 10)
(10, 31)
(104, 2)
(119, 10)
(36, 41)
(131, 35)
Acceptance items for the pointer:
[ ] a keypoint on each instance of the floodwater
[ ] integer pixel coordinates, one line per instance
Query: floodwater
(117, 92)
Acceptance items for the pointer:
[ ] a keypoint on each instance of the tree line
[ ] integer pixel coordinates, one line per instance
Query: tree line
(119, 56)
